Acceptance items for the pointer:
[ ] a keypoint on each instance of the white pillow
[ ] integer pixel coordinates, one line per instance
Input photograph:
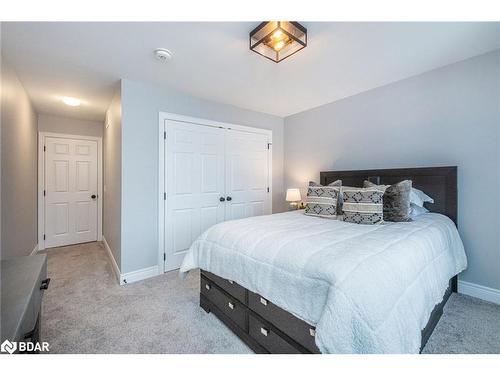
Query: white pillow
(418, 197)
(417, 210)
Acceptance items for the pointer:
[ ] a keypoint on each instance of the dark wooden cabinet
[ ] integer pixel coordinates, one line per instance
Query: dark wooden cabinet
(24, 280)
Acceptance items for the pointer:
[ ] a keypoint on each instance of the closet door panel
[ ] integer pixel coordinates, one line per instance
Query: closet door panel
(247, 175)
(194, 180)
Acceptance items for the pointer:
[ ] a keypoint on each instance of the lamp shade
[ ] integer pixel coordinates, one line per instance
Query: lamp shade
(293, 195)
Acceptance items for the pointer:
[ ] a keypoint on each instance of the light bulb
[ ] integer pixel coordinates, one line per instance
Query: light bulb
(277, 34)
(279, 45)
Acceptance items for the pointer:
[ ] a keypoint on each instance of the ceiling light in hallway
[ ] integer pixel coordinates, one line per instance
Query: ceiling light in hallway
(72, 102)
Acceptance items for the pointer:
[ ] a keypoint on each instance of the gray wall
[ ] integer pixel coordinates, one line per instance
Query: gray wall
(19, 167)
(56, 124)
(141, 104)
(449, 116)
(112, 178)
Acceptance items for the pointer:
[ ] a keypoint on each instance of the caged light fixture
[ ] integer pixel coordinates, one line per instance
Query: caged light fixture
(277, 40)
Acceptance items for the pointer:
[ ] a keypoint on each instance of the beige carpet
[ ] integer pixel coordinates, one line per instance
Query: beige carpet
(86, 311)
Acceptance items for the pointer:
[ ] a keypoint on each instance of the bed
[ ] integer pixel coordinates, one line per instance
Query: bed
(290, 283)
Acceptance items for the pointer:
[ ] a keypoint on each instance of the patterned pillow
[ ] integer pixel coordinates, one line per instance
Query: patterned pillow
(322, 200)
(362, 206)
(334, 183)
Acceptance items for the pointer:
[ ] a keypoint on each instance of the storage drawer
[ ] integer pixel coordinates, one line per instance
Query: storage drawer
(224, 302)
(269, 338)
(296, 328)
(234, 289)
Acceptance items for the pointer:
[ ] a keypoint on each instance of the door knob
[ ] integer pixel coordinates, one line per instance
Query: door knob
(229, 199)
(222, 199)
(93, 196)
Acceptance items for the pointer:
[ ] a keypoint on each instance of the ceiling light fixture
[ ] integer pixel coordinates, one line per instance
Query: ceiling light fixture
(163, 54)
(72, 102)
(277, 40)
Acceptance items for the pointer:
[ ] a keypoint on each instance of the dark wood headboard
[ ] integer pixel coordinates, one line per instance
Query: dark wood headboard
(440, 183)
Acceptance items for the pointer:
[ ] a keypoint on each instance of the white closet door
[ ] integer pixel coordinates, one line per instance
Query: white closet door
(247, 175)
(71, 191)
(194, 180)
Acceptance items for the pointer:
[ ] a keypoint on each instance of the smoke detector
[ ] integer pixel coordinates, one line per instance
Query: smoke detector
(163, 54)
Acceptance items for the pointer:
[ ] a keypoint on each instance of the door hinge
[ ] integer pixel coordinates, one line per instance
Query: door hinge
(268, 145)
(164, 135)
(164, 257)
(44, 148)
(268, 189)
(44, 237)
(164, 196)
(44, 193)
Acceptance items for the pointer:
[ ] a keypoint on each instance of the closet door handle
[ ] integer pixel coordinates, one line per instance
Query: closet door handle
(229, 199)
(222, 199)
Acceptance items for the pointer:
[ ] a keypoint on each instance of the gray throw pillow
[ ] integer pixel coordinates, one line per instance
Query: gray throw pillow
(338, 183)
(396, 200)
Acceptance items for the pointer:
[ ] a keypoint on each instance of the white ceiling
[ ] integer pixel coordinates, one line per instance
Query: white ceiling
(212, 61)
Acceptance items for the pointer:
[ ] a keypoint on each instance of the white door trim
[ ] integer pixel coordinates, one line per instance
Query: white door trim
(41, 181)
(161, 166)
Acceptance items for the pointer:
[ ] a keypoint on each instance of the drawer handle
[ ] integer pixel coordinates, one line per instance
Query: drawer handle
(45, 284)
(30, 334)
(264, 331)
(207, 287)
(231, 305)
(231, 281)
(263, 301)
(312, 332)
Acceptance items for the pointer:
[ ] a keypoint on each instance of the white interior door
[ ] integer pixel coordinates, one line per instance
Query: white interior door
(70, 191)
(194, 163)
(247, 175)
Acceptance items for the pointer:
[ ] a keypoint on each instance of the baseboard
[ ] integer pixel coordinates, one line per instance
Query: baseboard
(35, 250)
(145, 273)
(129, 277)
(115, 267)
(479, 291)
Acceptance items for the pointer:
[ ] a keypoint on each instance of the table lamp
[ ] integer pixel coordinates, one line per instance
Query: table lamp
(293, 196)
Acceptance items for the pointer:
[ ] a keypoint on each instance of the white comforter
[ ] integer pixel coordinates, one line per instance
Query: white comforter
(366, 288)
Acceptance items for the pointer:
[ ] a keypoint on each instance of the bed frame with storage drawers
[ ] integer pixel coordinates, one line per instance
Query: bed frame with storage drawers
(265, 327)
(255, 320)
